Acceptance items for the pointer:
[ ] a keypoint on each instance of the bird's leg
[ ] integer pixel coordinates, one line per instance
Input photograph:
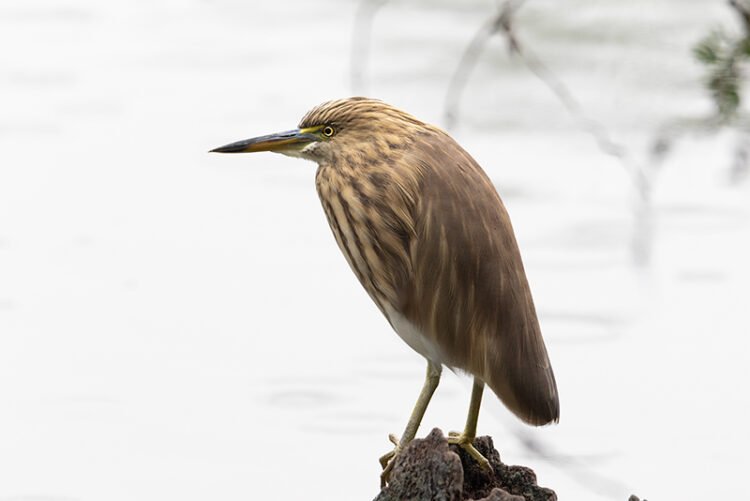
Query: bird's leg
(430, 384)
(466, 439)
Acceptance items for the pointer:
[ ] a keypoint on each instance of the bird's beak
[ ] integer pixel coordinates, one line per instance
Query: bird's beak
(291, 140)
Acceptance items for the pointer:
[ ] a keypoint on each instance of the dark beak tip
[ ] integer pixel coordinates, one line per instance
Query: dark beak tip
(228, 148)
(270, 142)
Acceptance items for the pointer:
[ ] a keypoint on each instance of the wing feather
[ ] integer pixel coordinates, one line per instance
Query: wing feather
(469, 293)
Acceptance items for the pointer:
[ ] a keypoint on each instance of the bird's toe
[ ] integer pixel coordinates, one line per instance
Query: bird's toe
(466, 443)
(387, 459)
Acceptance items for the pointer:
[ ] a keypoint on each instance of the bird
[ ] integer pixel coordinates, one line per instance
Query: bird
(427, 235)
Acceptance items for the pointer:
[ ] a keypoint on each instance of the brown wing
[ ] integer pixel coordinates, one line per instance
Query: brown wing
(469, 293)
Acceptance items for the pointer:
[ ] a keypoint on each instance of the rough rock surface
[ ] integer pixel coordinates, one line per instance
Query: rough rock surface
(430, 469)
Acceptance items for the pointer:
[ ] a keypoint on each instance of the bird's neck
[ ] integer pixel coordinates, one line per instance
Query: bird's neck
(369, 215)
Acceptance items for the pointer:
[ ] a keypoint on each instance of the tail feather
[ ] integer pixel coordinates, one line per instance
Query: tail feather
(529, 391)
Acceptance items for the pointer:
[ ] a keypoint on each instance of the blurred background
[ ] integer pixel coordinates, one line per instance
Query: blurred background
(178, 325)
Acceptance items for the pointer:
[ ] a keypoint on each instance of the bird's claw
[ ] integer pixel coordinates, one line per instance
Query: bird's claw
(387, 457)
(466, 443)
(394, 439)
(387, 460)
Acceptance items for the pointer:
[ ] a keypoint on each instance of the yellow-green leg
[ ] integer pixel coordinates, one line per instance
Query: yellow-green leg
(431, 381)
(466, 439)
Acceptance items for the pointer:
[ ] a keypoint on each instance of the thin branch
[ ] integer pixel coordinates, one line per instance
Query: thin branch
(469, 59)
(565, 96)
(503, 22)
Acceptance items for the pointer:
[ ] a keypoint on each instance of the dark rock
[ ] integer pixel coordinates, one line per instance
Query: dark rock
(498, 494)
(425, 469)
(430, 469)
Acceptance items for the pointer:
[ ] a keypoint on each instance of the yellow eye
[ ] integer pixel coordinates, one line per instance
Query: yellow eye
(328, 131)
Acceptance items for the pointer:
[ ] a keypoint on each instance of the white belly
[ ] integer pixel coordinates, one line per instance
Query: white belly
(413, 336)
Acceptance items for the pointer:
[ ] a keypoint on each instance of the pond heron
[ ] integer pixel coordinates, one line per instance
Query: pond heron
(425, 231)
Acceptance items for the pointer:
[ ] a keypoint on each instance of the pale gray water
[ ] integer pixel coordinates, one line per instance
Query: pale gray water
(180, 325)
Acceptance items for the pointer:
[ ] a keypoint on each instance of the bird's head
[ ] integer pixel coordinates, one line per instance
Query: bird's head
(336, 128)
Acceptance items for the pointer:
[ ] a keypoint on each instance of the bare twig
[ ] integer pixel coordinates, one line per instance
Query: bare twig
(565, 96)
(503, 22)
(641, 176)
(470, 57)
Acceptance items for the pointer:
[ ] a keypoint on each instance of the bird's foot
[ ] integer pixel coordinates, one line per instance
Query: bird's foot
(466, 443)
(387, 460)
